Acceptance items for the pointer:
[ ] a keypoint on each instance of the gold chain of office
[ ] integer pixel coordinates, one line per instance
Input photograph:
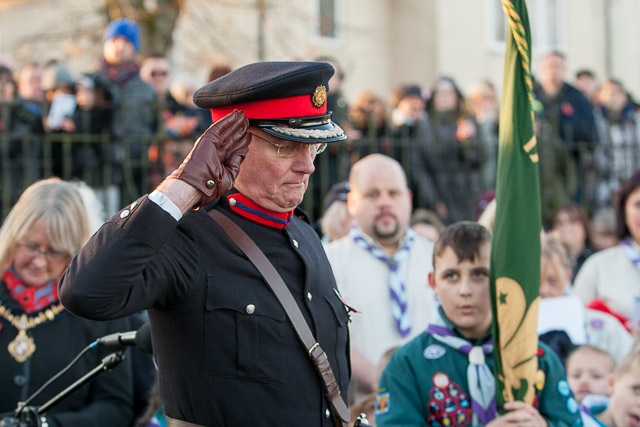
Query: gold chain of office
(22, 347)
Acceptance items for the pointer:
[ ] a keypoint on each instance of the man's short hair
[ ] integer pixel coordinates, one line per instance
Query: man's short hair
(585, 73)
(590, 348)
(464, 237)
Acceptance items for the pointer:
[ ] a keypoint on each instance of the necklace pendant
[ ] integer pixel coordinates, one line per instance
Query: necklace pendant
(22, 347)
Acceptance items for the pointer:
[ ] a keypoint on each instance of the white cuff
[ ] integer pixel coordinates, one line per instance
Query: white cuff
(166, 204)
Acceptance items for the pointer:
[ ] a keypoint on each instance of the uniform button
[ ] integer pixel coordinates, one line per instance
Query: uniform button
(20, 380)
(295, 243)
(327, 413)
(210, 183)
(250, 308)
(309, 296)
(232, 201)
(125, 213)
(133, 205)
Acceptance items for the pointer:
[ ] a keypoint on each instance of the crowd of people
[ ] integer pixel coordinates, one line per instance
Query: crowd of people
(389, 270)
(122, 126)
(119, 126)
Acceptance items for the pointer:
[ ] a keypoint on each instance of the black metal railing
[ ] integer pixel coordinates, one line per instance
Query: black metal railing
(568, 172)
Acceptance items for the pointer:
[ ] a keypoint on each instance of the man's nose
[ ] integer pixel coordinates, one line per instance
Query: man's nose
(465, 286)
(304, 160)
(385, 199)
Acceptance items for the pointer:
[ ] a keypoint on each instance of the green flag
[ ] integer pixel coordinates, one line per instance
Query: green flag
(515, 254)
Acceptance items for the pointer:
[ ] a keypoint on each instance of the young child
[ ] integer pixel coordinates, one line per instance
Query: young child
(600, 329)
(623, 409)
(430, 382)
(589, 371)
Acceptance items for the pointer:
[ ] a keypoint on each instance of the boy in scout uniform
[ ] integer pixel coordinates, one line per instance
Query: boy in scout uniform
(444, 377)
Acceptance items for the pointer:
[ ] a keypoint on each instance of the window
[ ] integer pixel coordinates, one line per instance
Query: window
(545, 18)
(327, 18)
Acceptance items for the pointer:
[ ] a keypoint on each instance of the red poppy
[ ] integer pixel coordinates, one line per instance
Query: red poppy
(567, 109)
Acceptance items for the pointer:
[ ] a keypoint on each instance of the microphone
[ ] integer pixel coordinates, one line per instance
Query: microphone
(140, 338)
(143, 338)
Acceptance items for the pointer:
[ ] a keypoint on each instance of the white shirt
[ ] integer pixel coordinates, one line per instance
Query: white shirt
(362, 281)
(609, 275)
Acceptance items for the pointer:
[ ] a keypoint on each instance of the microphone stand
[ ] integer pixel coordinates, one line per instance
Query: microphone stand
(28, 416)
(109, 362)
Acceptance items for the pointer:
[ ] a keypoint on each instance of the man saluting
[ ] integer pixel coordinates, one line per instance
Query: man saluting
(226, 353)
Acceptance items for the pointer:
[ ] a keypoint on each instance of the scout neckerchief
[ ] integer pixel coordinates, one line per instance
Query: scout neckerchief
(479, 376)
(591, 406)
(247, 208)
(396, 285)
(631, 251)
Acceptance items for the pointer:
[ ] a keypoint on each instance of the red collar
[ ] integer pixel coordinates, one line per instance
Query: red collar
(245, 207)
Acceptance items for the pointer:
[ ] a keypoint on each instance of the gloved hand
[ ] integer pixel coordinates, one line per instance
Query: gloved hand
(213, 163)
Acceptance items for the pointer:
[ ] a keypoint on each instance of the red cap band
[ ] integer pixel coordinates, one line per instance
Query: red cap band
(272, 109)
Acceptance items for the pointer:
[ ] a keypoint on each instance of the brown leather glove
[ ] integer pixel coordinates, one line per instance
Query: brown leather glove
(213, 163)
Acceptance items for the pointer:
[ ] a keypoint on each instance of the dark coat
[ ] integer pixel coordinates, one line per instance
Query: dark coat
(571, 112)
(106, 401)
(220, 363)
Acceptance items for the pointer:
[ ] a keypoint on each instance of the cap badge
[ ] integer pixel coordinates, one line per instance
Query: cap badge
(319, 97)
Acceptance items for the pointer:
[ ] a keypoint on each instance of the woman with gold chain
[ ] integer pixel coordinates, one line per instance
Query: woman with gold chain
(38, 337)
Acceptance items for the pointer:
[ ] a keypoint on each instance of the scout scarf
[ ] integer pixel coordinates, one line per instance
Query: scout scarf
(631, 251)
(396, 285)
(30, 298)
(479, 375)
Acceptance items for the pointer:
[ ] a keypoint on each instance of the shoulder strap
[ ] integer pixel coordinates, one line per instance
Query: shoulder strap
(279, 288)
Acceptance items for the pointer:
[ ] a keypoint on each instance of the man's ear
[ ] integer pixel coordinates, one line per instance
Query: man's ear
(431, 280)
(611, 382)
(351, 203)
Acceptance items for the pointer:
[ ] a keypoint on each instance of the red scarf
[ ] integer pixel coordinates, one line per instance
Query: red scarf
(30, 298)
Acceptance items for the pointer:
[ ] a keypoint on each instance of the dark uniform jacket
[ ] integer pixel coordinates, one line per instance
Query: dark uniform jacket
(106, 401)
(226, 353)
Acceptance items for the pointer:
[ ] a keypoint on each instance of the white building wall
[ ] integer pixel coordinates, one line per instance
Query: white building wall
(381, 42)
(625, 43)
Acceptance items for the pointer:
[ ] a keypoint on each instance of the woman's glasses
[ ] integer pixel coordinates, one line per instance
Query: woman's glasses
(33, 250)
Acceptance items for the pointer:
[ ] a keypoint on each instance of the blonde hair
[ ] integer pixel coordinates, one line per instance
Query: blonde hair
(334, 221)
(554, 256)
(554, 250)
(59, 205)
(628, 363)
(589, 348)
